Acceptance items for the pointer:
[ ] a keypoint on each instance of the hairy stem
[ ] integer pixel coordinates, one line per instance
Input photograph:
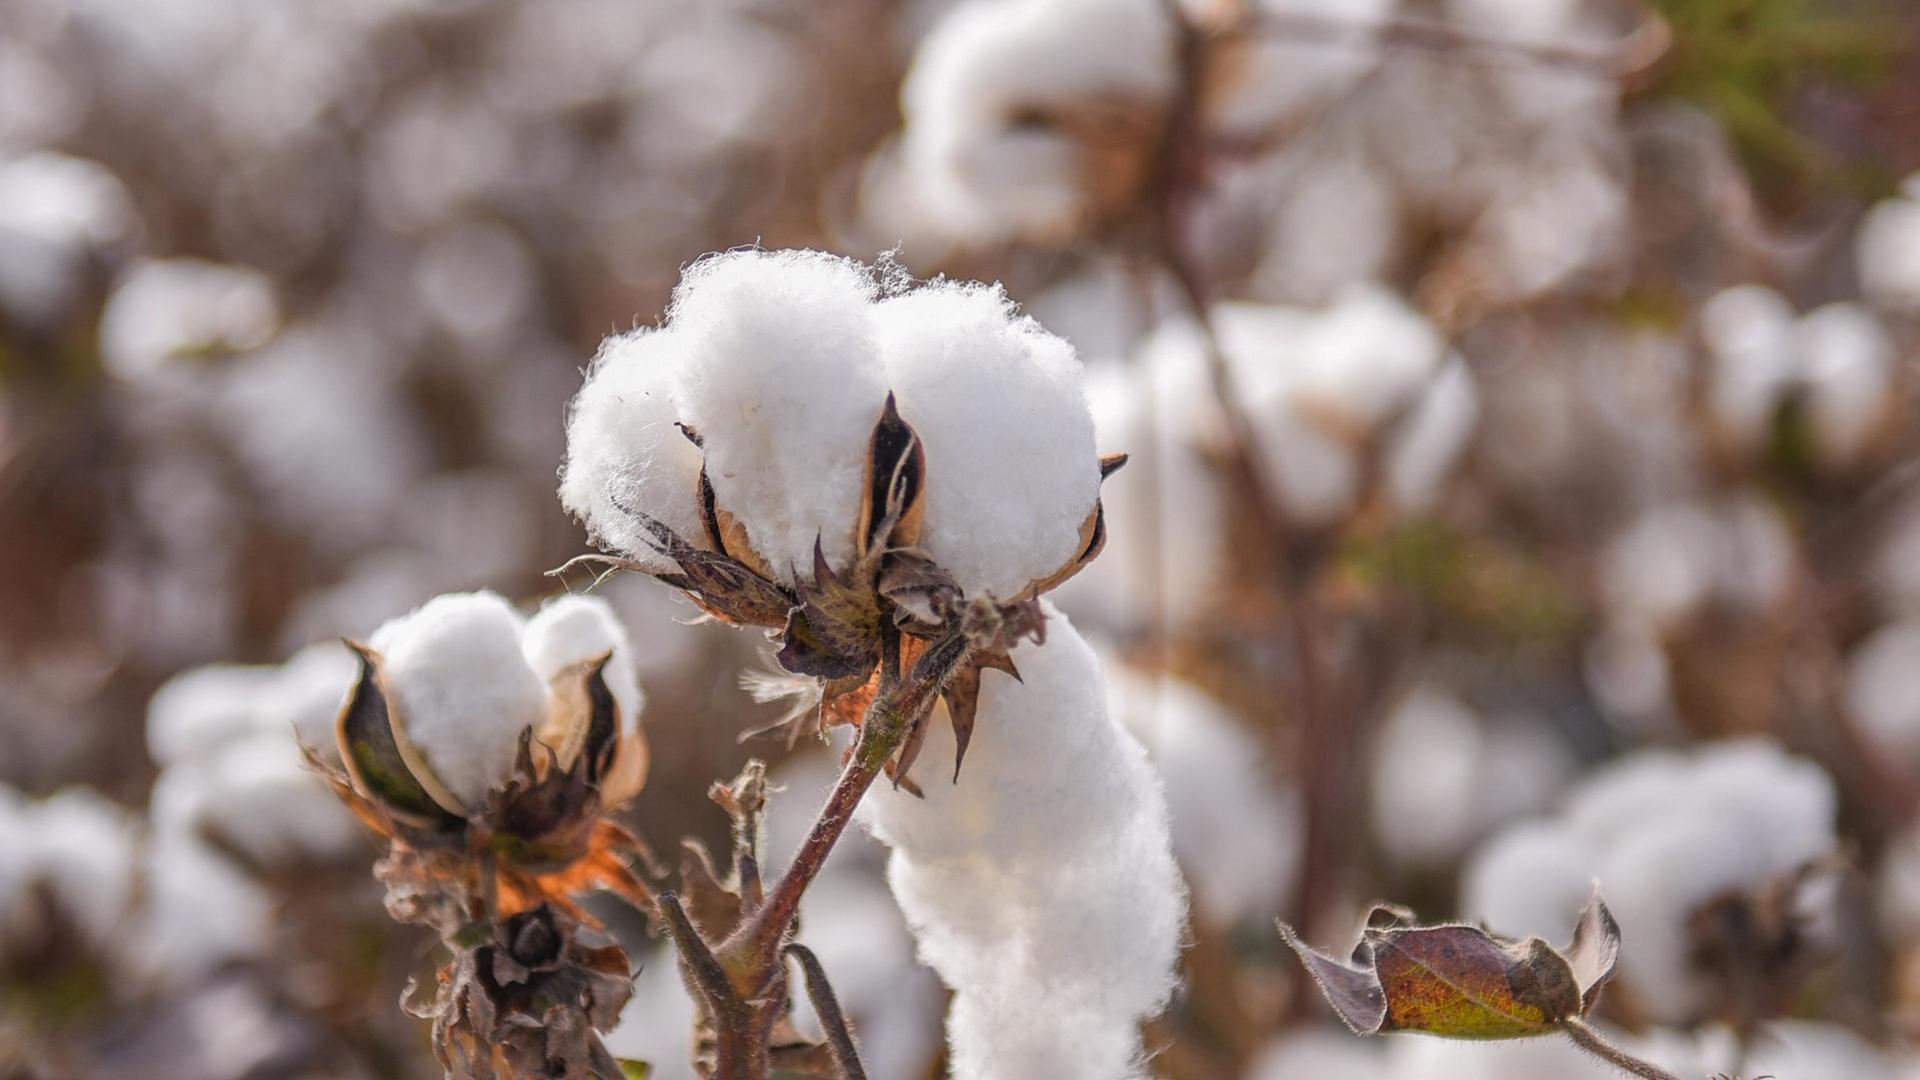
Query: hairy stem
(827, 1005)
(1592, 1042)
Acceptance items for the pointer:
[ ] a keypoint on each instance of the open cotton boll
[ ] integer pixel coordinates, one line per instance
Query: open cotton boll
(626, 452)
(257, 795)
(167, 308)
(1236, 832)
(1041, 885)
(1320, 1055)
(1367, 356)
(1006, 99)
(1883, 687)
(82, 848)
(1748, 331)
(198, 711)
(311, 690)
(1661, 569)
(572, 629)
(1887, 251)
(1012, 472)
(1848, 362)
(1531, 880)
(784, 383)
(197, 912)
(1264, 83)
(463, 689)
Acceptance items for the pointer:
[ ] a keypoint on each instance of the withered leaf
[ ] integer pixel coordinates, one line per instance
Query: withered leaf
(1462, 982)
(722, 585)
(372, 754)
(834, 631)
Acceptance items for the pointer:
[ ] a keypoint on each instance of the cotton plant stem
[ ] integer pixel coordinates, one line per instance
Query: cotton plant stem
(1592, 1042)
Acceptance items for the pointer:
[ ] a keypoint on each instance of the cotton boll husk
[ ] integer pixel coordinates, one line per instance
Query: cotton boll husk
(1320, 1054)
(1848, 361)
(1883, 688)
(784, 384)
(1041, 886)
(462, 687)
(197, 912)
(1887, 253)
(625, 452)
(1531, 880)
(1236, 832)
(1012, 473)
(987, 66)
(572, 629)
(1748, 330)
(198, 711)
(257, 795)
(1429, 442)
(166, 308)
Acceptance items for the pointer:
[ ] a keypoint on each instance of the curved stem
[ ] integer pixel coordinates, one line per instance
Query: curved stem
(832, 1020)
(1592, 1042)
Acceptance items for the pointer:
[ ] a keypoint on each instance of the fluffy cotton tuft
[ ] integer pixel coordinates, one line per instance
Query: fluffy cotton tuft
(784, 387)
(462, 687)
(998, 404)
(626, 454)
(81, 849)
(572, 629)
(257, 796)
(1664, 833)
(1004, 94)
(1041, 886)
(1887, 251)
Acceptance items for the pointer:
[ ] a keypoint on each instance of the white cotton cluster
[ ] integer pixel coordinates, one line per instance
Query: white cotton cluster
(1883, 688)
(1016, 109)
(229, 738)
(1664, 833)
(57, 215)
(1265, 82)
(1041, 885)
(1237, 831)
(1679, 558)
(467, 675)
(1444, 777)
(197, 911)
(166, 308)
(75, 849)
(1887, 250)
(782, 363)
(1837, 359)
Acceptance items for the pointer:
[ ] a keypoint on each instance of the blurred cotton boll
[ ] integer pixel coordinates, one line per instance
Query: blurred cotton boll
(1887, 251)
(62, 220)
(1883, 688)
(1320, 1055)
(163, 309)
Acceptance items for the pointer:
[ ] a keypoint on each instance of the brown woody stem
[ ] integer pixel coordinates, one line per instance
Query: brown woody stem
(1592, 1042)
(845, 1054)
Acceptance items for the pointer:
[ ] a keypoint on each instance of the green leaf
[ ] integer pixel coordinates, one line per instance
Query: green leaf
(635, 1070)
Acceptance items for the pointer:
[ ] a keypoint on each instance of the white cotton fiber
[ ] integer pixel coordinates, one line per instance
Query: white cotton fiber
(82, 848)
(1748, 332)
(1887, 251)
(1042, 885)
(1848, 360)
(1320, 1054)
(197, 912)
(625, 453)
(1883, 688)
(463, 690)
(257, 796)
(1012, 472)
(166, 308)
(1236, 831)
(309, 693)
(1531, 880)
(197, 711)
(785, 384)
(988, 86)
(571, 629)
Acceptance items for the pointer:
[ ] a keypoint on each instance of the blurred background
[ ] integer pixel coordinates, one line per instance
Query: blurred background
(1520, 395)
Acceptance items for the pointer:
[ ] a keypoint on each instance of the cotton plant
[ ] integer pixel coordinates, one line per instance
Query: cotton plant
(885, 477)
(484, 749)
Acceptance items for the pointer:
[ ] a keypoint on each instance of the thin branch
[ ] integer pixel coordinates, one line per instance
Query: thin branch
(827, 1006)
(1592, 1042)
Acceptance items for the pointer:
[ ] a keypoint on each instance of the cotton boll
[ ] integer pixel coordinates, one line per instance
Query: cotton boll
(1620, 797)
(1749, 331)
(573, 629)
(1560, 213)
(1267, 83)
(1369, 354)
(1320, 1055)
(82, 848)
(784, 385)
(1429, 442)
(196, 712)
(1531, 880)
(463, 690)
(1009, 105)
(55, 211)
(1236, 832)
(1041, 886)
(257, 795)
(1887, 253)
(1012, 474)
(1848, 360)
(626, 454)
(197, 912)
(1661, 569)
(1883, 687)
(167, 308)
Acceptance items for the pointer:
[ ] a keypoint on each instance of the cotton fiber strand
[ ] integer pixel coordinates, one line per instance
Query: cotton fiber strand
(574, 629)
(1041, 886)
(999, 407)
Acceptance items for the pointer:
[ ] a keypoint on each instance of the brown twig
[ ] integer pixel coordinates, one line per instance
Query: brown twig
(839, 1036)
